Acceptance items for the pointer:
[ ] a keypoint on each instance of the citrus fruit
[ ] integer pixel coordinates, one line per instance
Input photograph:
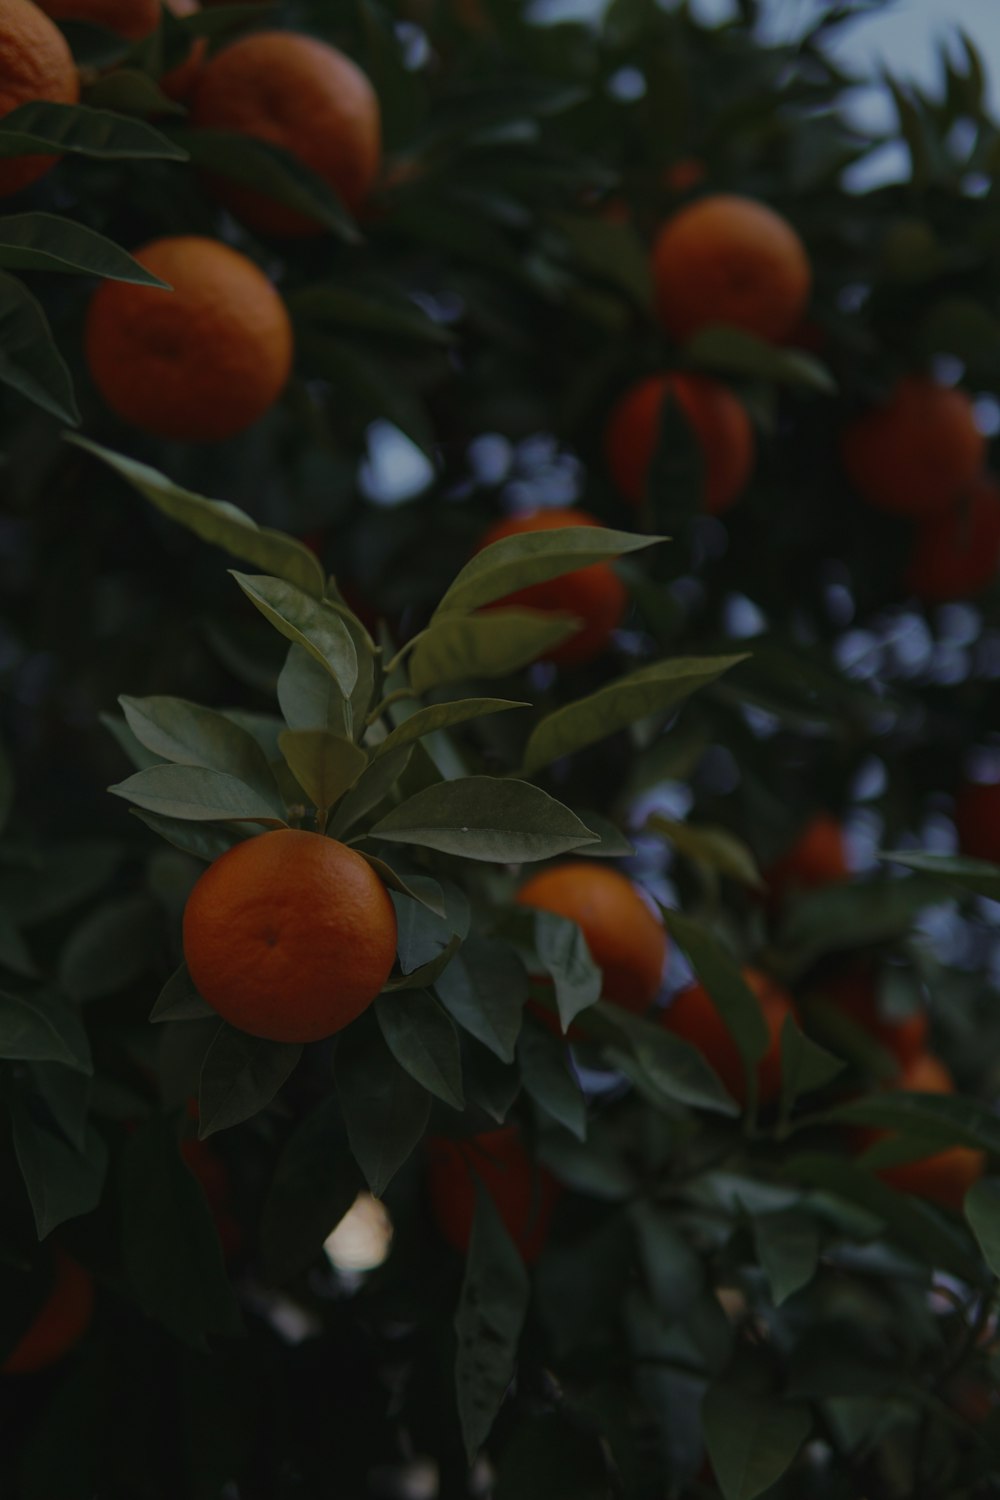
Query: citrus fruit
(305, 96)
(201, 362)
(946, 1176)
(957, 555)
(523, 1192)
(855, 994)
(626, 941)
(693, 1015)
(289, 935)
(35, 64)
(63, 1320)
(726, 259)
(717, 418)
(132, 19)
(977, 818)
(919, 453)
(684, 175)
(595, 594)
(179, 81)
(212, 1176)
(818, 857)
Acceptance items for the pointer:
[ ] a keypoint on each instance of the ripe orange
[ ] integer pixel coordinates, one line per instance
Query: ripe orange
(977, 818)
(919, 453)
(957, 555)
(63, 1320)
(683, 175)
(132, 19)
(818, 857)
(693, 1015)
(726, 259)
(626, 941)
(201, 362)
(717, 418)
(596, 595)
(856, 994)
(35, 63)
(523, 1192)
(289, 935)
(301, 94)
(945, 1177)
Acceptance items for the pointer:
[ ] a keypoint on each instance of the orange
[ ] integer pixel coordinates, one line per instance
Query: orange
(209, 1170)
(626, 941)
(201, 362)
(718, 421)
(693, 1016)
(818, 857)
(726, 259)
(977, 818)
(305, 96)
(179, 81)
(289, 935)
(132, 19)
(945, 1177)
(683, 175)
(957, 555)
(596, 595)
(919, 453)
(856, 994)
(35, 63)
(63, 1320)
(523, 1192)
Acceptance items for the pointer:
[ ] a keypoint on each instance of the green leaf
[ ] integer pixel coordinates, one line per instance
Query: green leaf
(15, 954)
(715, 848)
(315, 1183)
(180, 1001)
(562, 949)
(515, 562)
(982, 1209)
(371, 788)
(66, 1095)
(307, 622)
(218, 522)
(484, 989)
(421, 1037)
(201, 840)
(752, 1439)
(49, 242)
(733, 351)
(854, 915)
(62, 1183)
(485, 818)
(675, 1069)
(29, 360)
(941, 1119)
(75, 129)
(346, 307)
(650, 690)
(674, 1273)
(385, 1110)
(45, 1028)
(720, 974)
(442, 716)
(128, 91)
(112, 947)
(324, 764)
(490, 1085)
(240, 1076)
(309, 697)
(548, 1078)
(6, 788)
(189, 735)
(459, 648)
(805, 1065)
(270, 169)
(788, 1244)
(171, 1250)
(488, 1322)
(975, 875)
(196, 793)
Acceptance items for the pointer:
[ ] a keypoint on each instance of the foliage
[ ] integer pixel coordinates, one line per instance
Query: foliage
(736, 1285)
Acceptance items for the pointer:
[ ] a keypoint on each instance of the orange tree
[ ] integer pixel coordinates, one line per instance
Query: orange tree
(524, 1021)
